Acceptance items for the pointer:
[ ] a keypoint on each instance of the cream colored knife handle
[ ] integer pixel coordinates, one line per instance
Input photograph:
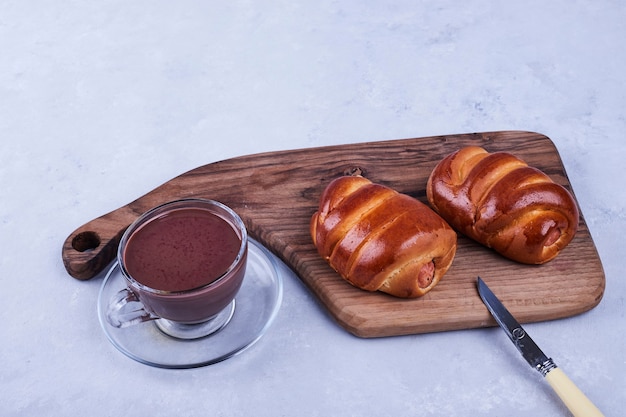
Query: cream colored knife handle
(574, 399)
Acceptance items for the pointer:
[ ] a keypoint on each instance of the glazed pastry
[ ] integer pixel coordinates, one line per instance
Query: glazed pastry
(381, 240)
(501, 202)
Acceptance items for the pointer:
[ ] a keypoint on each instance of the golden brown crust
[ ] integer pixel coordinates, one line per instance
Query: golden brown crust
(501, 202)
(380, 240)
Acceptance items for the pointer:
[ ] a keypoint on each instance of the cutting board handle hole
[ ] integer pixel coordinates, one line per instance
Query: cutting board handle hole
(86, 241)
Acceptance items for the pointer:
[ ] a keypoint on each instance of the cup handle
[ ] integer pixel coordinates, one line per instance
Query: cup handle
(125, 310)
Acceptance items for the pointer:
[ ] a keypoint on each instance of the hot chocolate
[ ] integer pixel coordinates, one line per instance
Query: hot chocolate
(181, 250)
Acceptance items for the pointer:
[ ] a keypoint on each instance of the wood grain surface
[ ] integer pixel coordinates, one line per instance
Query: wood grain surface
(276, 194)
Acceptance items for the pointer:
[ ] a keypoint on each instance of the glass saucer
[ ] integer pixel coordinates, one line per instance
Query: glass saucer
(256, 306)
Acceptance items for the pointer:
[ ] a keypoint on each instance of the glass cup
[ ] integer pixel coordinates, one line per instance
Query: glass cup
(183, 263)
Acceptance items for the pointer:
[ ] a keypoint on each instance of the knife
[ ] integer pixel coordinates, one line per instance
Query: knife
(577, 403)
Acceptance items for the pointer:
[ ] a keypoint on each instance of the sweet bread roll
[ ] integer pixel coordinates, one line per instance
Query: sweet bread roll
(501, 202)
(381, 240)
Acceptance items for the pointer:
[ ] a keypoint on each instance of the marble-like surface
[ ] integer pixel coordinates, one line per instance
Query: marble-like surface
(101, 101)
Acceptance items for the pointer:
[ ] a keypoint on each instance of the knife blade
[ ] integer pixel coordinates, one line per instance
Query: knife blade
(573, 398)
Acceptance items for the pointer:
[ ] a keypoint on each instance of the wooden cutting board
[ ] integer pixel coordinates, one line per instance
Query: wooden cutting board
(276, 194)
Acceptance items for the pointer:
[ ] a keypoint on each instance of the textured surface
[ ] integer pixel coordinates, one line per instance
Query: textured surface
(102, 101)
